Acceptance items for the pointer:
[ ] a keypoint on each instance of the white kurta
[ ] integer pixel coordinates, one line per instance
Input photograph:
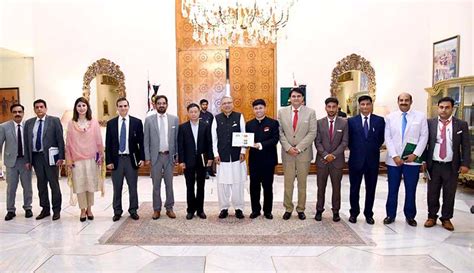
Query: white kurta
(230, 176)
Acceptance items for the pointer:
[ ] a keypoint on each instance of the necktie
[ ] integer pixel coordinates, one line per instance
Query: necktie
(295, 119)
(20, 142)
(331, 130)
(123, 136)
(163, 147)
(39, 134)
(404, 125)
(366, 127)
(443, 148)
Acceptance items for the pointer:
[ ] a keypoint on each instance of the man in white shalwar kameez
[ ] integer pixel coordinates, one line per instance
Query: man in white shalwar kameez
(231, 167)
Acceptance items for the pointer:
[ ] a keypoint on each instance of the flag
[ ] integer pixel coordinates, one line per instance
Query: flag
(148, 96)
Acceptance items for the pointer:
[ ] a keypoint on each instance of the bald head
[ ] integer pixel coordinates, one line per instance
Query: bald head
(404, 102)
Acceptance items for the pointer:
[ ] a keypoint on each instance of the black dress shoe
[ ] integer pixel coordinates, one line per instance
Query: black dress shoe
(10, 215)
(202, 215)
(239, 214)
(268, 216)
(254, 215)
(28, 213)
(134, 216)
(370, 220)
(388, 220)
(56, 216)
(189, 216)
(116, 217)
(90, 217)
(318, 216)
(411, 222)
(301, 215)
(224, 213)
(42, 215)
(286, 215)
(82, 219)
(353, 219)
(336, 217)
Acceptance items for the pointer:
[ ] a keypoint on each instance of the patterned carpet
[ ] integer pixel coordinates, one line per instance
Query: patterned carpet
(229, 231)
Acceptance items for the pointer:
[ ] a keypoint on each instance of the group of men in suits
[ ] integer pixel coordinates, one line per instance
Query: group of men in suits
(36, 143)
(443, 142)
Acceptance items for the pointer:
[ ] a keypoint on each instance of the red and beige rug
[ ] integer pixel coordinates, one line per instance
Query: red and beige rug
(229, 231)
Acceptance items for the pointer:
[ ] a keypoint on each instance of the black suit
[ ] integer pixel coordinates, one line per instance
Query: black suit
(262, 162)
(52, 136)
(195, 160)
(124, 165)
(445, 175)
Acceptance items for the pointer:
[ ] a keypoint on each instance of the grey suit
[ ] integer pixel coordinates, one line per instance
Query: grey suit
(336, 147)
(162, 164)
(15, 164)
(52, 137)
(302, 138)
(444, 175)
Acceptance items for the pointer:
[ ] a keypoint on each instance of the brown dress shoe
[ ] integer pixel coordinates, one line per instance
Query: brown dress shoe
(156, 214)
(170, 214)
(430, 222)
(447, 225)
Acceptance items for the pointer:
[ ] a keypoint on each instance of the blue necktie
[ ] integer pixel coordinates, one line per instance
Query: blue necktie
(123, 136)
(404, 125)
(366, 127)
(39, 134)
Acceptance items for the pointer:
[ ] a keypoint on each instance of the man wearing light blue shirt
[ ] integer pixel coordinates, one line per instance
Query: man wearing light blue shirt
(406, 135)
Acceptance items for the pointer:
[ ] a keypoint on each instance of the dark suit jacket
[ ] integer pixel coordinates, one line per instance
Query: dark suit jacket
(324, 146)
(52, 137)
(461, 143)
(135, 142)
(267, 133)
(363, 149)
(187, 152)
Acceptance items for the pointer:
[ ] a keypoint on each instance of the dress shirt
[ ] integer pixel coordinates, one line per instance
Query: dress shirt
(449, 141)
(35, 130)
(22, 134)
(368, 120)
(165, 121)
(127, 123)
(195, 129)
(416, 132)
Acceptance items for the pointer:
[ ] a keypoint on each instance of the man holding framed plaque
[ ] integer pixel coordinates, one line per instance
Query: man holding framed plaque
(230, 160)
(262, 159)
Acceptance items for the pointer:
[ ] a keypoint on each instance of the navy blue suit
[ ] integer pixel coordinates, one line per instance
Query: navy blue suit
(364, 160)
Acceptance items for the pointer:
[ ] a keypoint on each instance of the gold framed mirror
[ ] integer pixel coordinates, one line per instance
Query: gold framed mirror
(352, 77)
(109, 86)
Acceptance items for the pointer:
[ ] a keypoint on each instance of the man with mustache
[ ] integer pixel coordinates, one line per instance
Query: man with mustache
(406, 135)
(161, 148)
(11, 133)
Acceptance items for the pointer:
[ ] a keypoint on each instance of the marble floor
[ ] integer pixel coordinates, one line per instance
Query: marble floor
(67, 245)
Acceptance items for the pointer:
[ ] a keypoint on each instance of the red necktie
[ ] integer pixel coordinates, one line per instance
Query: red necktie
(443, 151)
(331, 130)
(295, 119)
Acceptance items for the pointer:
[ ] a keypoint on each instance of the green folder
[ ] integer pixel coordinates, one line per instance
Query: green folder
(409, 149)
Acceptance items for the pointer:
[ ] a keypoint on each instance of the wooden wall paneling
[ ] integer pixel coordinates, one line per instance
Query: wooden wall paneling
(252, 76)
(201, 74)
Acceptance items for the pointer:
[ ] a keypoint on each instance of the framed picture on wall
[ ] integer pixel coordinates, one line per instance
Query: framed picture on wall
(446, 59)
(8, 96)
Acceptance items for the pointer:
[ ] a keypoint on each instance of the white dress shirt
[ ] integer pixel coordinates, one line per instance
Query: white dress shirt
(127, 124)
(163, 142)
(363, 120)
(195, 129)
(449, 142)
(22, 134)
(416, 132)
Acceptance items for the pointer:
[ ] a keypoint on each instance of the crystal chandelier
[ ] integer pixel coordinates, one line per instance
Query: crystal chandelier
(236, 21)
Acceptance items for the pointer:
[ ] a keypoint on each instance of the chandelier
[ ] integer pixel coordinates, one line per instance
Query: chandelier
(236, 21)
